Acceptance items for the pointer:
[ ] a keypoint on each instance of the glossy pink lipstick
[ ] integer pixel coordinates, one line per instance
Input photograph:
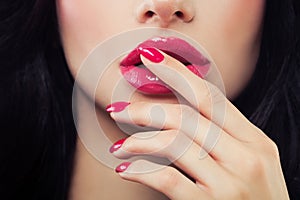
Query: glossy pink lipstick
(145, 81)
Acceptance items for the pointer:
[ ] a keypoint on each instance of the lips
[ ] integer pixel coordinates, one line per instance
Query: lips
(145, 81)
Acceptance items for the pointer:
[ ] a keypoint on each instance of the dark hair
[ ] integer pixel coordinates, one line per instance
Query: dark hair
(38, 136)
(272, 99)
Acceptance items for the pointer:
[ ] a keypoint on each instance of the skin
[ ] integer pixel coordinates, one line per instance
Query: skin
(230, 32)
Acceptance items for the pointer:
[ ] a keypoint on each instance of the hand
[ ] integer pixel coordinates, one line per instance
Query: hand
(238, 161)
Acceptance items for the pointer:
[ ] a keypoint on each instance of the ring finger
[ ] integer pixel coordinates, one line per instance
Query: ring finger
(180, 150)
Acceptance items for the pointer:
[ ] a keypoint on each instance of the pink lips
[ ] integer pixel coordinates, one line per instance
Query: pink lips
(145, 81)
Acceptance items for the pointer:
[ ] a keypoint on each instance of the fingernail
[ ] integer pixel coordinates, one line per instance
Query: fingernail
(151, 54)
(117, 107)
(117, 145)
(122, 167)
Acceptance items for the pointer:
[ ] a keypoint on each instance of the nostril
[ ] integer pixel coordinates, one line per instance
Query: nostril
(179, 14)
(164, 12)
(149, 14)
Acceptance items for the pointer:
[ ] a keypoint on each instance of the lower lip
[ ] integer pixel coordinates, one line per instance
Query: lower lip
(144, 80)
(147, 82)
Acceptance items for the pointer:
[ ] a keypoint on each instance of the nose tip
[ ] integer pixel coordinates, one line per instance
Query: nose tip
(165, 12)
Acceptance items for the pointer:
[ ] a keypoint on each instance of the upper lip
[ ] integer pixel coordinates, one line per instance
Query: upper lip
(175, 47)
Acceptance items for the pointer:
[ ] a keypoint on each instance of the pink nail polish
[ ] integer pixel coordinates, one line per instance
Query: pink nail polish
(117, 145)
(117, 107)
(151, 54)
(122, 167)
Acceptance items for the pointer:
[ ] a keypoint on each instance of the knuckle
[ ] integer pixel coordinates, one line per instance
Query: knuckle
(179, 113)
(215, 92)
(187, 112)
(143, 121)
(268, 147)
(272, 149)
(186, 109)
(240, 192)
(235, 190)
(169, 178)
(253, 166)
(210, 96)
(177, 146)
(176, 113)
(168, 137)
(163, 145)
(137, 114)
(154, 144)
(130, 146)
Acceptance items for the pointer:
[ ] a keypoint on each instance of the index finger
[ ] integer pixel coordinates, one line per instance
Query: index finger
(202, 95)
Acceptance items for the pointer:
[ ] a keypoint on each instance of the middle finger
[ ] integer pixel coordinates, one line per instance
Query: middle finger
(205, 133)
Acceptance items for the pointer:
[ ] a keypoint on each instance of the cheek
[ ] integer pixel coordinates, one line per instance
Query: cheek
(242, 19)
(74, 22)
(233, 33)
(83, 25)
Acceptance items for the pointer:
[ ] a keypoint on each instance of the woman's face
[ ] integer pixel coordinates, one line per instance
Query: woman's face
(229, 30)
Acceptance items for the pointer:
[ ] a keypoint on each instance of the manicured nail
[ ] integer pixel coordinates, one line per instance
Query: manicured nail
(117, 107)
(117, 145)
(151, 54)
(122, 167)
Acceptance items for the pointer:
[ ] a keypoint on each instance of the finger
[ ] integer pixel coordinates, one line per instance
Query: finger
(181, 151)
(204, 96)
(181, 117)
(164, 179)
